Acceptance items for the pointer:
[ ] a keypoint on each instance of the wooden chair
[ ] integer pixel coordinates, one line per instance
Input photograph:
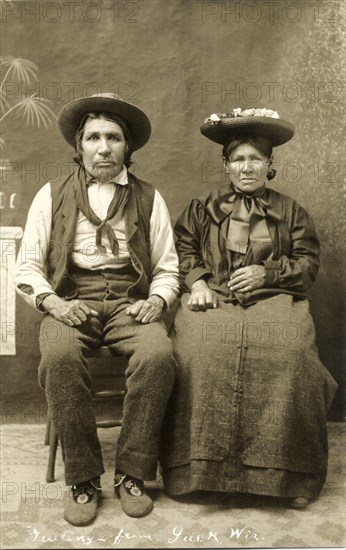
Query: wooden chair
(101, 376)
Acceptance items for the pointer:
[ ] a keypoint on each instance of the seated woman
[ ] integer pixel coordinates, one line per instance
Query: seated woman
(248, 411)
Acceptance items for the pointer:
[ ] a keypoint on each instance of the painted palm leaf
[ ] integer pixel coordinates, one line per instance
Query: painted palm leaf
(19, 69)
(34, 110)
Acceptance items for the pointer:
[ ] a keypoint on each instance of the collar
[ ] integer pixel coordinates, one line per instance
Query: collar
(222, 206)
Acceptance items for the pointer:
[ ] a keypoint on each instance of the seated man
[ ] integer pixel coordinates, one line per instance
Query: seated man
(103, 269)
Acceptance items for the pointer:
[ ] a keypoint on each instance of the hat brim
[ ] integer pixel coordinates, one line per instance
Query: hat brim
(72, 113)
(278, 131)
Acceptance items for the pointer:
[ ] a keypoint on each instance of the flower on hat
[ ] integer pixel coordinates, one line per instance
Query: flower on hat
(216, 118)
(258, 112)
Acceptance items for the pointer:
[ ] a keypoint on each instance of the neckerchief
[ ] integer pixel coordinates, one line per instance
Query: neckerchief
(80, 186)
(247, 221)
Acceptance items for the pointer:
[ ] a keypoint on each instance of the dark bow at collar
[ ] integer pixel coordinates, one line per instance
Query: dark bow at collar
(248, 215)
(221, 207)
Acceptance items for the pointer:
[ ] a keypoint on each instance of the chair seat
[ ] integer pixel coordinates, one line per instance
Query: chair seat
(108, 394)
(101, 352)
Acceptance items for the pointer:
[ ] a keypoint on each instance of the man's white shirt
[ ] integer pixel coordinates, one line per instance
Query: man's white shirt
(31, 261)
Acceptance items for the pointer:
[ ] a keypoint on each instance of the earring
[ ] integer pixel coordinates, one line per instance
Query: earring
(271, 174)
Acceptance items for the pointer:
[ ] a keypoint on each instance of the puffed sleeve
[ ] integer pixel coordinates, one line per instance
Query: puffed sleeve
(298, 270)
(188, 244)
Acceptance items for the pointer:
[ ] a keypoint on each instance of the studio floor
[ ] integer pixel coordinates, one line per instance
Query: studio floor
(32, 510)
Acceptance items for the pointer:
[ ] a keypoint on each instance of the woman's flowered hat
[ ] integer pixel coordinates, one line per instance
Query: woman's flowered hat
(221, 127)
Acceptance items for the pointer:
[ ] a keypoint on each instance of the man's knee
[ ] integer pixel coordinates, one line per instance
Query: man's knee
(155, 357)
(61, 353)
(62, 363)
(55, 334)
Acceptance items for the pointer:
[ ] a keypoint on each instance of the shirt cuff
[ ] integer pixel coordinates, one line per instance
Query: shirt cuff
(166, 294)
(272, 279)
(40, 298)
(30, 293)
(195, 274)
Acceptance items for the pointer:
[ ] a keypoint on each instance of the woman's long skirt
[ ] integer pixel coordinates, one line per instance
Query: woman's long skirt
(248, 410)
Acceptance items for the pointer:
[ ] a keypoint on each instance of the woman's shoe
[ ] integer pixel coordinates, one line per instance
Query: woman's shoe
(299, 503)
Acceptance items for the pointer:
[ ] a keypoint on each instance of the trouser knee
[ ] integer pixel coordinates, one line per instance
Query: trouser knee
(63, 368)
(156, 363)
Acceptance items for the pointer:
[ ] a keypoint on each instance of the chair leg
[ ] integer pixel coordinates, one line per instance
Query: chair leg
(53, 445)
(46, 437)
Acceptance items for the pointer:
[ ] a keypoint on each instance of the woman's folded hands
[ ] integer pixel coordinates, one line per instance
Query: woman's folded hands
(247, 278)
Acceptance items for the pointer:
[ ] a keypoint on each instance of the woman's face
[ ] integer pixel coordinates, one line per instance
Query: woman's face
(247, 168)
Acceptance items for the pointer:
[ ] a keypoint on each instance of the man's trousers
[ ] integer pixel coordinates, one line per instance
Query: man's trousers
(63, 373)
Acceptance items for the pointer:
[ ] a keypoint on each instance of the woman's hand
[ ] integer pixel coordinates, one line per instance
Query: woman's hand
(247, 278)
(202, 297)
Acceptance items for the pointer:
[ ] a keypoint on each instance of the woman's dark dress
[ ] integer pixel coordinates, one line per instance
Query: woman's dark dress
(248, 411)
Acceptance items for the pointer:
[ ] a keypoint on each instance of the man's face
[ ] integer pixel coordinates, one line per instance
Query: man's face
(103, 148)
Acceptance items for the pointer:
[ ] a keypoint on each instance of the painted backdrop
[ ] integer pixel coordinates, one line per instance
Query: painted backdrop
(181, 60)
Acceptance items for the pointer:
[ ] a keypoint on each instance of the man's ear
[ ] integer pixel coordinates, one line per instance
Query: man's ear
(225, 164)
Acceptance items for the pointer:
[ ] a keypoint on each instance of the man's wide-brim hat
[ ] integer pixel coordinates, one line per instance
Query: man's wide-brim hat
(221, 128)
(72, 114)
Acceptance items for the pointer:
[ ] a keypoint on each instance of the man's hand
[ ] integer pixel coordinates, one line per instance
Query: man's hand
(247, 278)
(72, 313)
(202, 297)
(147, 311)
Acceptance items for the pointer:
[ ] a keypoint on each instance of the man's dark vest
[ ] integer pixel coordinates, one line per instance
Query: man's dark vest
(137, 223)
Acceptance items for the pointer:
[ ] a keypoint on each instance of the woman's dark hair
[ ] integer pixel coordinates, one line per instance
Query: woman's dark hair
(113, 118)
(261, 143)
